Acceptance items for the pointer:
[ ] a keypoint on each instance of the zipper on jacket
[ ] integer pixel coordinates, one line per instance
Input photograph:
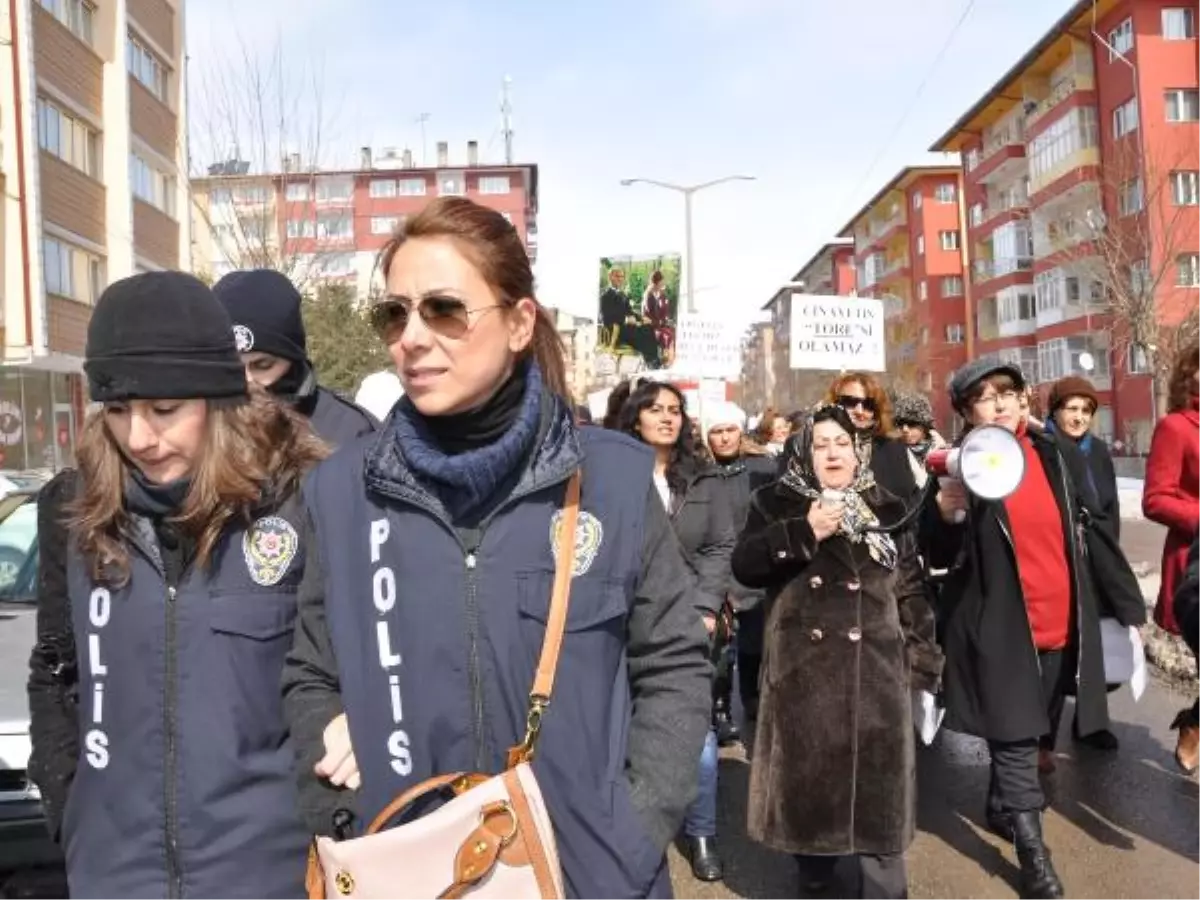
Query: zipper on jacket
(473, 671)
(170, 698)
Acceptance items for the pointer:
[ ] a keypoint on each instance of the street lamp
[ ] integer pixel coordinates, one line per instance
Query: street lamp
(687, 191)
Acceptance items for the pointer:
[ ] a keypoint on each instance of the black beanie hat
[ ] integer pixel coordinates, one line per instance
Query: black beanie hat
(161, 336)
(265, 308)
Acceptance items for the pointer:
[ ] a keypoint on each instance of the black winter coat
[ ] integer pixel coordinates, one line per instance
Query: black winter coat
(336, 421)
(743, 476)
(846, 643)
(702, 517)
(991, 682)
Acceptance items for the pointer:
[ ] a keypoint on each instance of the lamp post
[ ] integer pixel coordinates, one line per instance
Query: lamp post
(687, 191)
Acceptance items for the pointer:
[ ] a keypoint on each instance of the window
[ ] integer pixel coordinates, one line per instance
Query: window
(335, 227)
(1137, 362)
(386, 225)
(337, 264)
(924, 334)
(976, 215)
(301, 228)
(335, 188)
(220, 197)
(1125, 118)
(78, 16)
(944, 193)
(1070, 133)
(494, 184)
(917, 200)
(1120, 40)
(1016, 305)
(1139, 277)
(451, 184)
(952, 286)
(923, 290)
(921, 244)
(1185, 188)
(1059, 358)
(250, 194)
(299, 191)
(71, 272)
(927, 381)
(1130, 198)
(67, 138)
(383, 187)
(1183, 105)
(146, 67)
(948, 239)
(152, 186)
(1187, 266)
(410, 187)
(954, 334)
(1179, 23)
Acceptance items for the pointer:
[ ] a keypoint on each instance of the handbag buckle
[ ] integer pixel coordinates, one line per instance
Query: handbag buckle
(533, 724)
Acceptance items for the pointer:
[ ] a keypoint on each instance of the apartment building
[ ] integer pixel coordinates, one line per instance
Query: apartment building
(92, 114)
(329, 225)
(1082, 154)
(578, 335)
(830, 271)
(758, 369)
(909, 251)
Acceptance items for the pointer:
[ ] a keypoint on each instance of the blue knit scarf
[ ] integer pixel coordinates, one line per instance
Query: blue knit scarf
(466, 482)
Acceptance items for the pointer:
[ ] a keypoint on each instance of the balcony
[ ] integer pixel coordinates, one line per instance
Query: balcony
(987, 269)
(1058, 93)
(892, 267)
(1002, 157)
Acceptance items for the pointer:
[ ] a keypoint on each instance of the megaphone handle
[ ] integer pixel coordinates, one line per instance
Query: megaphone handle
(927, 494)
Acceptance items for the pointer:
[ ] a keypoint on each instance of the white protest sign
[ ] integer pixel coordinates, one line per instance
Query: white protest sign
(837, 333)
(708, 348)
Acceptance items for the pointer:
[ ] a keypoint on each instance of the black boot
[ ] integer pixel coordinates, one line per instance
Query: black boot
(706, 862)
(1097, 740)
(1038, 878)
(1000, 824)
(727, 730)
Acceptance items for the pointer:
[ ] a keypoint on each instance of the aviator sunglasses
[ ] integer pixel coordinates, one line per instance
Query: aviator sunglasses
(846, 401)
(445, 316)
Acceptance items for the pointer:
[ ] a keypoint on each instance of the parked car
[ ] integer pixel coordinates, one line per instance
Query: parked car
(14, 482)
(27, 855)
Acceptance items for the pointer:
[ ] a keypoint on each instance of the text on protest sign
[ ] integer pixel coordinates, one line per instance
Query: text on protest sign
(837, 333)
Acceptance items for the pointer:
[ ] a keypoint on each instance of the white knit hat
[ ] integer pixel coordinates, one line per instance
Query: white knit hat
(722, 412)
(378, 393)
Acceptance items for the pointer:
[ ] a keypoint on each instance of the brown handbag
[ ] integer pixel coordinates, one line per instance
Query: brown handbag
(494, 837)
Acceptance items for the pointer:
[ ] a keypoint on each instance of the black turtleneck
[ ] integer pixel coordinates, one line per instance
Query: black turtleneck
(483, 425)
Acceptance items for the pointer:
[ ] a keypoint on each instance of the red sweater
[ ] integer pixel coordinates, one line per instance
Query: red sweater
(1037, 534)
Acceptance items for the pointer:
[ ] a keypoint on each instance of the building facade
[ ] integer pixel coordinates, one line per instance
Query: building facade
(758, 369)
(330, 225)
(830, 271)
(92, 113)
(1080, 167)
(909, 251)
(578, 335)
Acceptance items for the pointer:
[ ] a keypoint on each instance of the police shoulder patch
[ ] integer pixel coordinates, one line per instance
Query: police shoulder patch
(269, 546)
(589, 534)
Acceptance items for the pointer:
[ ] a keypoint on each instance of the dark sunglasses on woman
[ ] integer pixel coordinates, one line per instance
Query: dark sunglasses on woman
(846, 401)
(445, 316)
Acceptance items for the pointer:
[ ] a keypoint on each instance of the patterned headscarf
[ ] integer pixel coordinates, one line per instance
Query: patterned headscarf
(801, 477)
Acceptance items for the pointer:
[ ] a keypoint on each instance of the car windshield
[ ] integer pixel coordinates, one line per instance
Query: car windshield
(18, 553)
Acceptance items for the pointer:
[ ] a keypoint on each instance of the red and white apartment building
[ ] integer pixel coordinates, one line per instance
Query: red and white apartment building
(329, 225)
(1094, 127)
(908, 251)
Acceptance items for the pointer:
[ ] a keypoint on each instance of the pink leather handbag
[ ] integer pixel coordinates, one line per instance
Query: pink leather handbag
(494, 839)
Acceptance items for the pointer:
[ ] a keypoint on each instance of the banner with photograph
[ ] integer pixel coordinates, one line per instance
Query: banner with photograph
(637, 314)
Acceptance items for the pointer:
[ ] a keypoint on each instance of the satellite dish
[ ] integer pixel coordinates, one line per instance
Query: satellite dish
(1096, 220)
(1087, 362)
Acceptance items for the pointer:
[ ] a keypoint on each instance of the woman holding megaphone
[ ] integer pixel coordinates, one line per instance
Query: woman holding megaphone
(1022, 629)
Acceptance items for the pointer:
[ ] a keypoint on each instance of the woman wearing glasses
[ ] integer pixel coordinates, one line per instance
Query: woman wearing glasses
(424, 612)
(860, 394)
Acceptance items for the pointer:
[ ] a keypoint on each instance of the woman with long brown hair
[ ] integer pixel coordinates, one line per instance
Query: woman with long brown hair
(870, 409)
(168, 569)
(1172, 498)
(449, 518)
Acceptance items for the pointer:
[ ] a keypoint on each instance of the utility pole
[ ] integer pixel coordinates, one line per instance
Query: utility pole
(506, 120)
(421, 120)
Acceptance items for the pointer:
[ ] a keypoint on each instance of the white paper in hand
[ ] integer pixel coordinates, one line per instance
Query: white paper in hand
(927, 715)
(1137, 683)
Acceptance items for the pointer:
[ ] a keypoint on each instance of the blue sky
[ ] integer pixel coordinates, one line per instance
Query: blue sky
(799, 93)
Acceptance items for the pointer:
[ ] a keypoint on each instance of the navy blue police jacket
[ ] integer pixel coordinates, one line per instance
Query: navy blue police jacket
(184, 784)
(436, 638)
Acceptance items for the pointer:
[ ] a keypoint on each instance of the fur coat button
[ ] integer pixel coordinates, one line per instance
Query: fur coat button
(815, 581)
(816, 634)
(855, 634)
(853, 585)
(782, 554)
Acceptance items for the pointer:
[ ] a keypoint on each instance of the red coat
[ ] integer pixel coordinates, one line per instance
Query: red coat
(1172, 498)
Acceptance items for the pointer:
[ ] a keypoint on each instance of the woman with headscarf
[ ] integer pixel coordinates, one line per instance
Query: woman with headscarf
(849, 638)
(867, 403)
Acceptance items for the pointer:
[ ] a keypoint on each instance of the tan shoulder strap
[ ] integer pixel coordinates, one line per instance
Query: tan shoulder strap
(556, 626)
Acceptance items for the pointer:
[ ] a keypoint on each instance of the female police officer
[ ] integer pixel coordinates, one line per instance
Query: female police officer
(454, 504)
(168, 568)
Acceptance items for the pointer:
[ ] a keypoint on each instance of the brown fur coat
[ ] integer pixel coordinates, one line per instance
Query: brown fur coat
(847, 641)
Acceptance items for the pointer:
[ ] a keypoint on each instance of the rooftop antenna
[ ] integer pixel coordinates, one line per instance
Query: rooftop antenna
(421, 120)
(506, 120)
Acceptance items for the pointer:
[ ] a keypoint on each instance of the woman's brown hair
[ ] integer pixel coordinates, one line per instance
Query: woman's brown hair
(493, 246)
(1182, 387)
(766, 425)
(255, 451)
(884, 426)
